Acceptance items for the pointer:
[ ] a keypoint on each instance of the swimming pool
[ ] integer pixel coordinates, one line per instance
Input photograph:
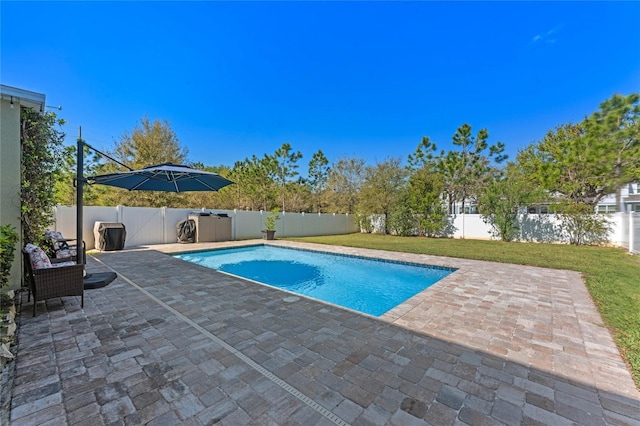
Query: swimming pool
(370, 286)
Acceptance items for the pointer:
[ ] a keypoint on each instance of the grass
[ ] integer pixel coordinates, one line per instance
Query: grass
(611, 275)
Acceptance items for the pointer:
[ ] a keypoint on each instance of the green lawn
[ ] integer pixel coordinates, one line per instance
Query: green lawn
(611, 274)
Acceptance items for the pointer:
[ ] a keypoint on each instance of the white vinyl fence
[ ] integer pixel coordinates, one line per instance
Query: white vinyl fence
(634, 233)
(158, 225)
(146, 225)
(540, 228)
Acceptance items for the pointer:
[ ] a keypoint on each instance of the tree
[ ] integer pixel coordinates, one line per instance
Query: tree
(65, 175)
(318, 175)
(425, 198)
(465, 171)
(568, 164)
(582, 163)
(41, 138)
(427, 186)
(423, 155)
(449, 166)
(585, 162)
(242, 190)
(286, 168)
(382, 188)
(221, 199)
(403, 220)
(499, 203)
(298, 196)
(149, 144)
(617, 125)
(255, 180)
(344, 180)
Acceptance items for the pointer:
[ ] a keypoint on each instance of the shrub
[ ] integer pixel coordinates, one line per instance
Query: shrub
(8, 240)
(583, 226)
(41, 156)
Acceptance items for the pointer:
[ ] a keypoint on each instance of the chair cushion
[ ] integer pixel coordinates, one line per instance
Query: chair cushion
(39, 258)
(56, 239)
(62, 253)
(61, 264)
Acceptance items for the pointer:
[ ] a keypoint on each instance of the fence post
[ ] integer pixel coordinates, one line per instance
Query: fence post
(261, 221)
(234, 221)
(333, 223)
(631, 232)
(163, 215)
(345, 224)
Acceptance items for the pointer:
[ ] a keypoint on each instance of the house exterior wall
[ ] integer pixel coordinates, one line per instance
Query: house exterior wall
(10, 159)
(606, 205)
(626, 191)
(10, 176)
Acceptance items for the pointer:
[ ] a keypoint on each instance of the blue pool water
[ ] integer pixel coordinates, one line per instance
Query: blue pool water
(365, 285)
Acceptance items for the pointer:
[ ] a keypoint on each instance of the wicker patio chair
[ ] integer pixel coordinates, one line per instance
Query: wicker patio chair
(58, 247)
(54, 280)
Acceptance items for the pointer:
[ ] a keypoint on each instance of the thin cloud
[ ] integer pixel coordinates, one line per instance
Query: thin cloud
(548, 37)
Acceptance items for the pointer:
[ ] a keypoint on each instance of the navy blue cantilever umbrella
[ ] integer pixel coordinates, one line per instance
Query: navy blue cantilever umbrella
(165, 177)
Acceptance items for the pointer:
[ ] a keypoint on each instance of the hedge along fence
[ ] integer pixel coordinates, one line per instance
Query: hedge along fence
(146, 225)
(541, 228)
(149, 225)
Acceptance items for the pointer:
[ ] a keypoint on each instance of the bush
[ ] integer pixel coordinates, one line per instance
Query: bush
(365, 223)
(41, 159)
(402, 220)
(583, 226)
(8, 240)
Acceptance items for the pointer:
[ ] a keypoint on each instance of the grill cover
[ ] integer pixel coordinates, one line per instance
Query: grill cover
(111, 236)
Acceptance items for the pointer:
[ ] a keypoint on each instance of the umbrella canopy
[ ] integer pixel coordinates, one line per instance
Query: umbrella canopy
(165, 177)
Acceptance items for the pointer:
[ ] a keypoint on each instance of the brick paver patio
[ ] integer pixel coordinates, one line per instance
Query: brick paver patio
(170, 343)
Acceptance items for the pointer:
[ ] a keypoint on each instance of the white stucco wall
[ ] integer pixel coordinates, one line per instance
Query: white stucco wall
(10, 176)
(10, 158)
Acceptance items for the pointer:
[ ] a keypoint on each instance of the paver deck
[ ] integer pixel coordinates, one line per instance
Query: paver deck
(170, 342)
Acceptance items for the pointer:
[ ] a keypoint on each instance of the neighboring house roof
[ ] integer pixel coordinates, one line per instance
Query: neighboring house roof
(632, 199)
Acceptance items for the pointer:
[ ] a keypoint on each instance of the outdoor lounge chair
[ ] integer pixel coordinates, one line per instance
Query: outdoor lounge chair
(58, 247)
(47, 280)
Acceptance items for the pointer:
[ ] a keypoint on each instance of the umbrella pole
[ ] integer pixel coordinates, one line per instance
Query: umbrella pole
(79, 196)
(80, 181)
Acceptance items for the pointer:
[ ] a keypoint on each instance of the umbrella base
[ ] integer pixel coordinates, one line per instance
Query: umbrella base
(98, 280)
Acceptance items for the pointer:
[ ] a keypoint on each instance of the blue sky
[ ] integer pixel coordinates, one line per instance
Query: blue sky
(365, 79)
